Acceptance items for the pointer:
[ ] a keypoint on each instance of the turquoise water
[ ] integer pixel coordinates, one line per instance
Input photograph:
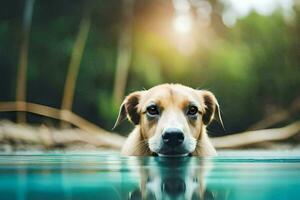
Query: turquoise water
(109, 176)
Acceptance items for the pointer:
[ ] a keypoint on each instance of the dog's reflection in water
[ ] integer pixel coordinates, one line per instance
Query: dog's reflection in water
(173, 178)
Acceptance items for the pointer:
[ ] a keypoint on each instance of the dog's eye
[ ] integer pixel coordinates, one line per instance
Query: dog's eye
(153, 110)
(192, 110)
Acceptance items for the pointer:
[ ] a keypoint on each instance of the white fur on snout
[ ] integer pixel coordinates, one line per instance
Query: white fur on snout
(190, 143)
(173, 127)
(154, 144)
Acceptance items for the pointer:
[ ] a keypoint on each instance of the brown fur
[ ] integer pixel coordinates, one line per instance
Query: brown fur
(173, 100)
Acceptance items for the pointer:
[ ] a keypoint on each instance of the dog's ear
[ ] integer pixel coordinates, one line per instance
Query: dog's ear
(212, 108)
(129, 109)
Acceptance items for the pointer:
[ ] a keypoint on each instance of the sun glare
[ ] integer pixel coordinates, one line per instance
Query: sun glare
(182, 23)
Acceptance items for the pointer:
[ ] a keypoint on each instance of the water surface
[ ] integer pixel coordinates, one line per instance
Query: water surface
(107, 175)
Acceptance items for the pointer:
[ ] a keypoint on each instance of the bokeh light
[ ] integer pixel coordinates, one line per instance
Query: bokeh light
(182, 23)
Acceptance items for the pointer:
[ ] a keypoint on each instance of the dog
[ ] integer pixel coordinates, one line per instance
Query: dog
(170, 120)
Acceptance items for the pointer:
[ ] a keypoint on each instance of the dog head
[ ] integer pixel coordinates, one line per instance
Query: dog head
(171, 117)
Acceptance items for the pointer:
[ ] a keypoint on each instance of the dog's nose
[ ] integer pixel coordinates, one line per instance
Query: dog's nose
(173, 137)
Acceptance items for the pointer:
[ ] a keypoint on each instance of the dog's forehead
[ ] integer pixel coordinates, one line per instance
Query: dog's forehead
(169, 94)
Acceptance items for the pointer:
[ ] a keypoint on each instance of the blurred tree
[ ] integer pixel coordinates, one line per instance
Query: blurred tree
(23, 59)
(124, 52)
(77, 52)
